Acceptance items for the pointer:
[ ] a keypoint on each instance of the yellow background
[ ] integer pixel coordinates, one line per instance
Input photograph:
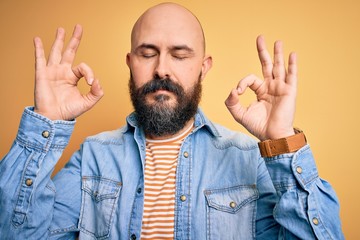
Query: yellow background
(324, 33)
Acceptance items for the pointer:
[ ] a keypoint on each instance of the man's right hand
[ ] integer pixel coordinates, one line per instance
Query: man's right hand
(56, 94)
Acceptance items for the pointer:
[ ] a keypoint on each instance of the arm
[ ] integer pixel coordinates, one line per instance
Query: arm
(307, 206)
(27, 194)
(29, 201)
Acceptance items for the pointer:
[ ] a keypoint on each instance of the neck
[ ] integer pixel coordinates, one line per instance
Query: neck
(187, 126)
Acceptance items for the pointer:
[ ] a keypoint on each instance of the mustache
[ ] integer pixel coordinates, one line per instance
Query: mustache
(161, 84)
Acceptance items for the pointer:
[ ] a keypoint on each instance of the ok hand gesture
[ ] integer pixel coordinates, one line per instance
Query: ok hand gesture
(271, 115)
(56, 94)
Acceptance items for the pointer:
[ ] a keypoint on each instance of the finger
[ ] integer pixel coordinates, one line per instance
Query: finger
(279, 71)
(251, 81)
(233, 104)
(95, 94)
(264, 57)
(233, 98)
(57, 47)
(70, 51)
(40, 60)
(83, 70)
(292, 72)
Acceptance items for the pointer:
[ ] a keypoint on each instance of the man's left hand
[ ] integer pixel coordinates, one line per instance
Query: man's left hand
(271, 116)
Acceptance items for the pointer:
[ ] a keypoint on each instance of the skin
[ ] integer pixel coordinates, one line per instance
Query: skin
(168, 41)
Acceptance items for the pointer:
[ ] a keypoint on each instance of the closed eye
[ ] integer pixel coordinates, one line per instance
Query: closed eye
(182, 52)
(180, 57)
(147, 50)
(147, 55)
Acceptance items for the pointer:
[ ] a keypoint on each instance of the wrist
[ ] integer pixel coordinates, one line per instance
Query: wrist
(279, 134)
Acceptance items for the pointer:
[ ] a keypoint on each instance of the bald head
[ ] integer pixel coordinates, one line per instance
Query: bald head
(168, 23)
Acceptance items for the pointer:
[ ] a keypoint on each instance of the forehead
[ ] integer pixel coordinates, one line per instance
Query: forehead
(166, 26)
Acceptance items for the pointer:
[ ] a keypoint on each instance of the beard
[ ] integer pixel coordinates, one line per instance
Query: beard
(161, 118)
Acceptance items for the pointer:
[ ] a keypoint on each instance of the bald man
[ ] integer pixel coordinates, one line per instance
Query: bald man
(169, 173)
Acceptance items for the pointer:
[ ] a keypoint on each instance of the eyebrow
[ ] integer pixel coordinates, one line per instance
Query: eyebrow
(172, 48)
(182, 47)
(146, 46)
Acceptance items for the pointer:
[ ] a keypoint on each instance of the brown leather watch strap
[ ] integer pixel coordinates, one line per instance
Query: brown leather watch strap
(271, 148)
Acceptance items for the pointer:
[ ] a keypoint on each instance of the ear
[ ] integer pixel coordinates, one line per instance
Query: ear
(206, 66)
(128, 59)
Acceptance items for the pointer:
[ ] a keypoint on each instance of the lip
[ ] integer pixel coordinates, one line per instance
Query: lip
(161, 92)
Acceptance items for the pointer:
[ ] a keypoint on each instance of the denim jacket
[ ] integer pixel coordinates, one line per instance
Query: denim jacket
(224, 189)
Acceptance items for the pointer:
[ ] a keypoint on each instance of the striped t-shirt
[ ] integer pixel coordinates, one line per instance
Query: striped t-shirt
(159, 196)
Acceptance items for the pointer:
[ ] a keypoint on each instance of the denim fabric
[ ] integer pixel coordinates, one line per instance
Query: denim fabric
(230, 191)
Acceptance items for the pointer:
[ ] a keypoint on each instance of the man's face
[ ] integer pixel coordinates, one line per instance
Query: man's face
(167, 43)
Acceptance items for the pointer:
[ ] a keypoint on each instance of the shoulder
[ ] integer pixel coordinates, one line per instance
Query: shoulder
(114, 137)
(223, 137)
(238, 139)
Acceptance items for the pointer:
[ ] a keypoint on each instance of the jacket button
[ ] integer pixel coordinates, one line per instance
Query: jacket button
(186, 154)
(183, 198)
(45, 134)
(299, 170)
(139, 190)
(96, 193)
(133, 237)
(28, 182)
(315, 221)
(232, 204)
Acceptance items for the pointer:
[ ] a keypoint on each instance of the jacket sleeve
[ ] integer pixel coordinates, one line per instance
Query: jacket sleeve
(307, 206)
(28, 199)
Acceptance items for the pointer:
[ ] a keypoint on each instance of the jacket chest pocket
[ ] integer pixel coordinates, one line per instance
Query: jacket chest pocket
(99, 198)
(231, 212)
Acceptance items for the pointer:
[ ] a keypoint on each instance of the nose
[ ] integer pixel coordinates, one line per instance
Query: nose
(162, 69)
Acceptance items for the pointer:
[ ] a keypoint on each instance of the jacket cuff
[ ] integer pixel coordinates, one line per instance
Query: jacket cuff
(38, 132)
(289, 170)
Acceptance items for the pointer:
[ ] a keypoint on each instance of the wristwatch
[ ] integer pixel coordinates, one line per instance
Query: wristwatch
(271, 148)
